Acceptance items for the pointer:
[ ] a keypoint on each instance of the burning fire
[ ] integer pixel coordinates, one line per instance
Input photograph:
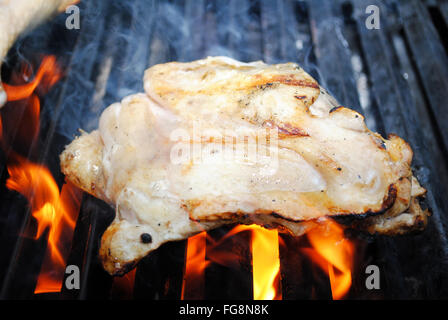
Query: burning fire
(333, 253)
(53, 210)
(330, 251)
(265, 262)
(47, 75)
(193, 282)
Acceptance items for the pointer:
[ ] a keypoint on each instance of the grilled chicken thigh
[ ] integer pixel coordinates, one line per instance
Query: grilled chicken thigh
(219, 141)
(18, 16)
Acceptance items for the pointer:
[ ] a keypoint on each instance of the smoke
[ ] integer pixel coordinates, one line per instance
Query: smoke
(105, 59)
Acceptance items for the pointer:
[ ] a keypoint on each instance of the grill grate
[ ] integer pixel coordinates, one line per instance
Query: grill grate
(397, 76)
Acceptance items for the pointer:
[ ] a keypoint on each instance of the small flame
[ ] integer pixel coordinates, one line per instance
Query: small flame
(63, 214)
(36, 183)
(53, 210)
(195, 264)
(22, 123)
(47, 75)
(265, 262)
(333, 253)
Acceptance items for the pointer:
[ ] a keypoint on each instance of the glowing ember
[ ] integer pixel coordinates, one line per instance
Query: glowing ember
(333, 253)
(53, 210)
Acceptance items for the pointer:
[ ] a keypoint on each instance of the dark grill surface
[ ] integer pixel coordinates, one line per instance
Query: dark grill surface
(396, 76)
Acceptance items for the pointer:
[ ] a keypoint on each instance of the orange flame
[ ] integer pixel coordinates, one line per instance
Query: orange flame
(195, 265)
(47, 75)
(265, 262)
(23, 109)
(333, 253)
(36, 183)
(60, 218)
(54, 211)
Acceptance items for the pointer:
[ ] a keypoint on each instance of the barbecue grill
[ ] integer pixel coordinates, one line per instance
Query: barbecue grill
(394, 73)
